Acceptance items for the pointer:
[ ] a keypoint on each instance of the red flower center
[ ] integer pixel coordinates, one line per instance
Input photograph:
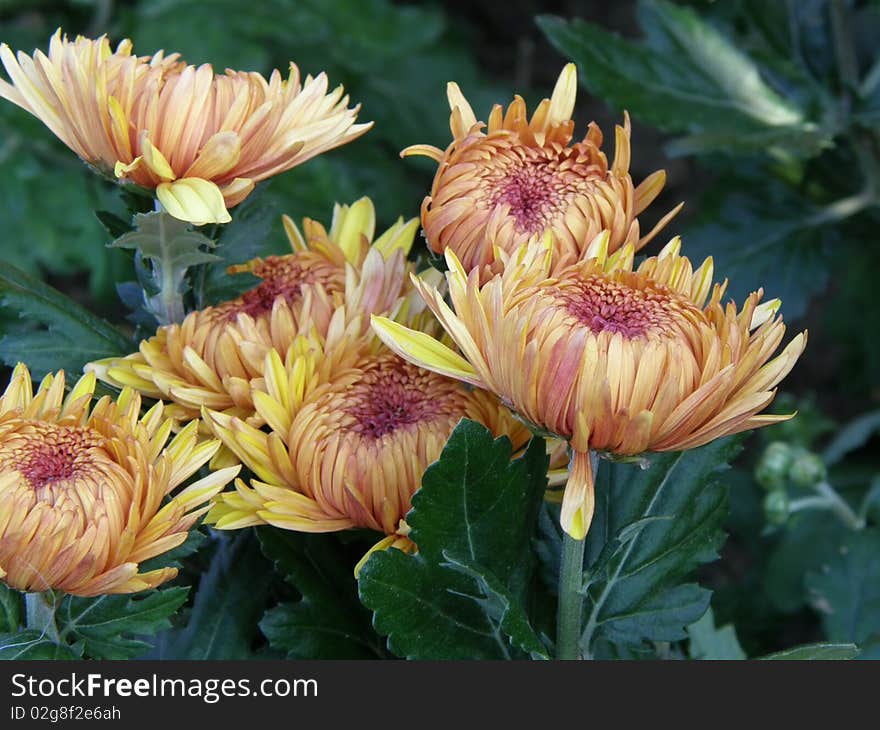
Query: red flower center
(606, 305)
(529, 191)
(283, 276)
(47, 454)
(540, 183)
(393, 394)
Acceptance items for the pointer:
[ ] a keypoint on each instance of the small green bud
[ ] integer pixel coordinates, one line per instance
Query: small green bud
(807, 469)
(773, 467)
(776, 507)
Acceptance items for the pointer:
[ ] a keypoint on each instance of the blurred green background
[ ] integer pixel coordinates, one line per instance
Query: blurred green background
(764, 114)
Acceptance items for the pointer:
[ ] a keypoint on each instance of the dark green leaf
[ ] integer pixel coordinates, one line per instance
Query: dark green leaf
(247, 237)
(637, 596)
(227, 606)
(471, 490)
(113, 224)
(108, 626)
(475, 515)
(852, 436)
(808, 541)
(10, 609)
(775, 240)
(846, 589)
(686, 77)
(819, 652)
(708, 641)
(33, 645)
(73, 335)
(46, 201)
(328, 622)
(498, 603)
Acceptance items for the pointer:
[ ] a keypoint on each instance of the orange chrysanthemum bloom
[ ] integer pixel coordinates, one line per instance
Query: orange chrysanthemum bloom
(609, 358)
(205, 360)
(201, 140)
(497, 189)
(82, 489)
(349, 449)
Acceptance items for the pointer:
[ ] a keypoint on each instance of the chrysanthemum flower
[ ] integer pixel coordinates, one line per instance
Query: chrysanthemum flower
(351, 453)
(608, 358)
(200, 140)
(497, 189)
(82, 488)
(205, 361)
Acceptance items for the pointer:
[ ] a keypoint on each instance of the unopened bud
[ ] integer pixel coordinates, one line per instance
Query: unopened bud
(776, 507)
(773, 467)
(807, 469)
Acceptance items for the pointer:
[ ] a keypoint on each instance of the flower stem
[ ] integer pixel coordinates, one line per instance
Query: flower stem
(40, 614)
(170, 308)
(571, 601)
(838, 505)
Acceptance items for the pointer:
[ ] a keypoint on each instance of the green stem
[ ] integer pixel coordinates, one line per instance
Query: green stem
(40, 614)
(571, 600)
(838, 505)
(798, 505)
(171, 309)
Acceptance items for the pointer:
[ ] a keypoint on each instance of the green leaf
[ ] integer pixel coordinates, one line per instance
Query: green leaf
(172, 247)
(328, 621)
(498, 603)
(166, 241)
(10, 609)
(776, 239)
(107, 625)
(73, 335)
(818, 652)
(462, 594)
(46, 201)
(708, 641)
(246, 237)
(227, 606)
(113, 224)
(852, 436)
(846, 590)
(686, 76)
(807, 542)
(636, 595)
(33, 645)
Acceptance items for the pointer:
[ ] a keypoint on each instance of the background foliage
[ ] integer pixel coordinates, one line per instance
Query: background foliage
(766, 116)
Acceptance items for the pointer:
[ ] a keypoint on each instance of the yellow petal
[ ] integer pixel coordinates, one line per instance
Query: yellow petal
(457, 100)
(426, 150)
(353, 224)
(237, 190)
(564, 93)
(763, 312)
(217, 157)
(424, 350)
(579, 499)
(154, 159)
(195, 200)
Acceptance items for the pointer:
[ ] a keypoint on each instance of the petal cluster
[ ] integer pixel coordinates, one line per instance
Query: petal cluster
(86, 489)
(211, 357)
(201, 140)
(499, 187)
(347, 444)
(608, 357)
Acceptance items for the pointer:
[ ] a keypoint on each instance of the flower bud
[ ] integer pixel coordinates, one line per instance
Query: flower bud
(807, 469)
(773, 467)
(776, 507)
